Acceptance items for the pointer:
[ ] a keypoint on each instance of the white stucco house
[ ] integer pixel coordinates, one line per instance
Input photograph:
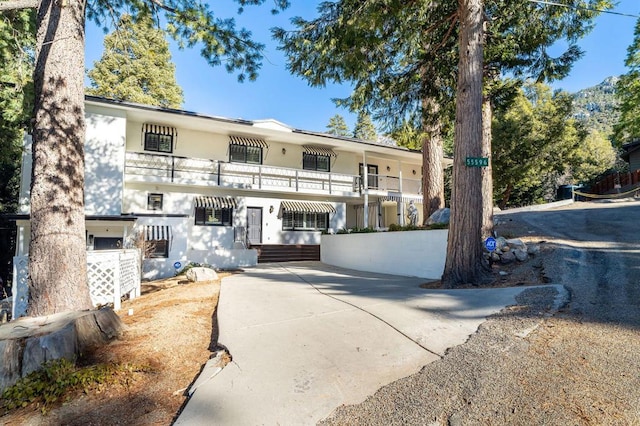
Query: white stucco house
(226, 192)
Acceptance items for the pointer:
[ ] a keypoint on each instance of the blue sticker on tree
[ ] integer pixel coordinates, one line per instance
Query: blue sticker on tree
(490, 243)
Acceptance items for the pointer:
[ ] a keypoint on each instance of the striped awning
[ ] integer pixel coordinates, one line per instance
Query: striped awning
(157, 232)
(216, 202)
(319, 150)
(305, 207)
(402, 198)
(159, 130)
(247, 141)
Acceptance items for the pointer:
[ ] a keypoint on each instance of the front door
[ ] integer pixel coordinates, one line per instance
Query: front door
(254, 225)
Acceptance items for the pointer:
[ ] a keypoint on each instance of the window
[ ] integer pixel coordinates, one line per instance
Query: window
(294, 221)
(214, 216)
(156, 249)
(245, 154)
(317, 162)
(154, 202)
(158, 142)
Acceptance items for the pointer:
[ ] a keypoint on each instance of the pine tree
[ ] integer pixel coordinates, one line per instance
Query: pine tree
(628, 93)
(136, 66)
(464, 263)
(364, 128)
(17, 40)
(337, 126)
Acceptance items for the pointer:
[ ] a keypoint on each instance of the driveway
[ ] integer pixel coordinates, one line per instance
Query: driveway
(306, 337)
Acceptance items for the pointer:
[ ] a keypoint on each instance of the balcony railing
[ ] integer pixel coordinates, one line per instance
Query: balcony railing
(196, 171)
(392, 183)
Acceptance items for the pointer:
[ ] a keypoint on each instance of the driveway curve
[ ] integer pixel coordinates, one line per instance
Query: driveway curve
(306, 337)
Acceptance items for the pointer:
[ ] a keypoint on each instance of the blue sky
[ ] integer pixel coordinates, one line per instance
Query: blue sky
(287, 98)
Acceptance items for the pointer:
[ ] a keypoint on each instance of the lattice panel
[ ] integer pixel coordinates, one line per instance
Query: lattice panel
(106, 270)
(129, 271)
(101, 274)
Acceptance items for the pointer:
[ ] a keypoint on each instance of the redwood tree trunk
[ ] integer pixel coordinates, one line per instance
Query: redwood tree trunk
(464, 248)
(487, 176)
(57, 253)
(432, 155)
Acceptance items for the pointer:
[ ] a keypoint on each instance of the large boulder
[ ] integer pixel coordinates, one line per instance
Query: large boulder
(439, 216)
(200, 273)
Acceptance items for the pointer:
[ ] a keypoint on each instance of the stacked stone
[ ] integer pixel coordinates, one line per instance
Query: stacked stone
(511, 250)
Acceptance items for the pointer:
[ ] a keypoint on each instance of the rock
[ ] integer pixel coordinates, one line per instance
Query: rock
(439, 216)
(503, 273)
(517, 243)
(521, 255)
(500, 243)
(506, 249)
(199, 274)
(508, 257)
(495, 257)
(533, 249)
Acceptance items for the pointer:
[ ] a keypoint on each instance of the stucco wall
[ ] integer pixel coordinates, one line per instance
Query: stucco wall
(409, 253)
(104, 162)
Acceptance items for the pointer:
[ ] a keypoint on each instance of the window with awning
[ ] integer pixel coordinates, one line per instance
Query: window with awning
(317, 158)
(159, 138)
(305, 215)
(214, 211)
(157, 239)
(244, 149)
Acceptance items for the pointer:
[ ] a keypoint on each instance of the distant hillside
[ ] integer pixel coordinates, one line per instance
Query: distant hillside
(596, 106)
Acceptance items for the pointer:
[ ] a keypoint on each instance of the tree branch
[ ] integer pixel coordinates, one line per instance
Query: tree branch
(18, 4)
(161, 5)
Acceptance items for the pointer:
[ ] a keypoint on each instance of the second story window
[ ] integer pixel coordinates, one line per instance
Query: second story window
(317, 158)
(317, 162)
(158, 138)
(245, 154)
(246, 149)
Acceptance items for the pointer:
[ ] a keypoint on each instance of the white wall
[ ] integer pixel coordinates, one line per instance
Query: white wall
(409, 253)
(272, 232)
(104, 161)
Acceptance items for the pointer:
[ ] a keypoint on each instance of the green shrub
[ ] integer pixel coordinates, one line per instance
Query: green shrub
(56, 381)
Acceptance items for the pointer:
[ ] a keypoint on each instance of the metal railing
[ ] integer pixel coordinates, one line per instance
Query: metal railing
(174, 169)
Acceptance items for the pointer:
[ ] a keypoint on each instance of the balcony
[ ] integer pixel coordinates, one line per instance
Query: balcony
(154, 168)
(383, 183)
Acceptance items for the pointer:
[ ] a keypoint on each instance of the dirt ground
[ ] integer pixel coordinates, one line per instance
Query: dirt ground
(169, 334)
(172, 333)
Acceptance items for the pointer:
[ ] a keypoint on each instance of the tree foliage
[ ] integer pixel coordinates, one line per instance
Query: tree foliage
(364, 128)
(628, 93)
(136, 66)
(17, 38)
(537, 142)
(337, 126)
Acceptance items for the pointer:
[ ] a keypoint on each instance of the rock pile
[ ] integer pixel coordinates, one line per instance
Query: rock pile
(511, 250)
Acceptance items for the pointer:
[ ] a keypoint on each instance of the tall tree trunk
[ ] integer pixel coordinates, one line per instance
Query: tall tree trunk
(464, 248)
(57, 253)
(487, 176)
(432, 155)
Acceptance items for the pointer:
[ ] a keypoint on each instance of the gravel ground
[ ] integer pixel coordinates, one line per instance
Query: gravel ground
(580, 366)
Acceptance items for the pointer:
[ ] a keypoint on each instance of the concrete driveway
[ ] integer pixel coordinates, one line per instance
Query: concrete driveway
(306, 337)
